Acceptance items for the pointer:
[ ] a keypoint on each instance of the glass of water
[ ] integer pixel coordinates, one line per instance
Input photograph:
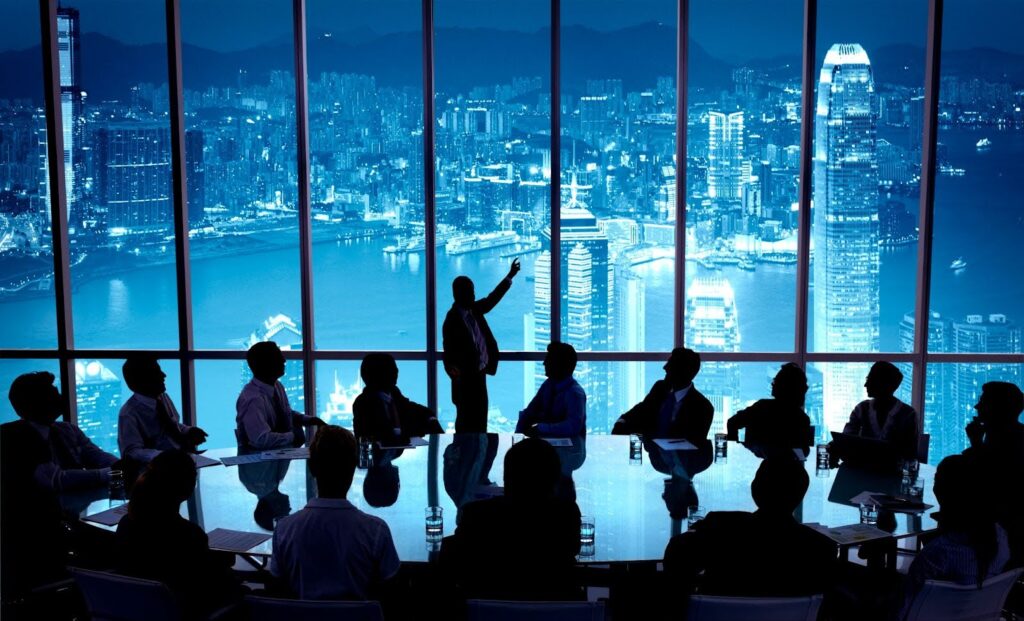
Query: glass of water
(586, 530)
(116, 488)
(721, 445)
(917, 488)
(636, 450)
(868, 513)
(434, 523)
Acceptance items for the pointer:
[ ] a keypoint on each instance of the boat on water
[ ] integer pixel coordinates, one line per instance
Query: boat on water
(958, 264)
(984, 144)
(462, 244)
(747, 264)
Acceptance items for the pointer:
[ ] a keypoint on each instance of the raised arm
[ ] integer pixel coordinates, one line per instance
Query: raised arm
(486, 304)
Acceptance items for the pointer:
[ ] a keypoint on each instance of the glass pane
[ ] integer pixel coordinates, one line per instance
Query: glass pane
(26, 259)
(866, 187)
(492, 160)
(117, 158)
(218, 384)
(618, 178)
(831, 411)
(978, 216)
(743, 166)
(241, 173)
(508, 392)
(338, 385)
(100, 392)
(953, 389)
(10, 369)
(366, 152)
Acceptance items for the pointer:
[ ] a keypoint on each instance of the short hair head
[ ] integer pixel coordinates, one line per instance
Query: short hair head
(168, 481)
(143, 374)
(790, 384)
(34, 397)
(961, 488)
(379, 369)
(463, 291)
(333, 455)
(682, 366)
(1000, 401)
(265, 360)
(561, 359)
(883, 379)
(532, 470)
(779, 485)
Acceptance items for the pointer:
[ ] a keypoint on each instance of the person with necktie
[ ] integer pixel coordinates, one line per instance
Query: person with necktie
(674, 408)
(63, 458)
(265, 420)
(559, 409)
(470, 351)
(149, 423)
(381, 412)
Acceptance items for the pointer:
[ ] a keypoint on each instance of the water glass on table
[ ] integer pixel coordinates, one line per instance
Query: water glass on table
(721, 446)
(916, 489)
(434, 523)
(587, 530)
(821, 465)
(636, 450)
(868, 513)
(116, 488)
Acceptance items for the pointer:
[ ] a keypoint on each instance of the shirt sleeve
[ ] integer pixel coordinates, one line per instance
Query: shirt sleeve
(529, 414)
(91, 455)
(387, 555)
(856, 421)
(130, 439)
(276, 551)
(575, 415)
(257, 430)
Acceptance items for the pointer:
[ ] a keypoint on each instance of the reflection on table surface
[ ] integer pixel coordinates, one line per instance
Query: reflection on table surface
(637, 504)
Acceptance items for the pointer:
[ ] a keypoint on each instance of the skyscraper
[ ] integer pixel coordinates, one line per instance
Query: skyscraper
(135, 175)
(845, 224)
(725, 154)
(69, 59)
(712, 325)
(196, 176)
(98, 395)
(288, 336)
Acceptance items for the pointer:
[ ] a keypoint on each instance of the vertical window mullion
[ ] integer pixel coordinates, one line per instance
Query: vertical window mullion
(806, 185)
(682, 116)
(58, 205)
(429, 207)
(556, 171)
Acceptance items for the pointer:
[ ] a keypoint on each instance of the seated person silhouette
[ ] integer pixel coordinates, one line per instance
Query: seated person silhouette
(154, 542)
(776, 426)
(766, 553)
(559, 410)
(265, 420)
(674, 408)
(148, 422)
(523, 545)
(381, 412)
(884, 417)
(997, 443)
(60, 456)
(331, 550)
(970, 545)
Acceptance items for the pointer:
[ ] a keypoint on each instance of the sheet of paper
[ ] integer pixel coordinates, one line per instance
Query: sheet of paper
(235, 540)
(667, 444)
(866, 498)
(413, 443)
(110, 517)
(286, 453)
(202, 461)
(851, 534)
(561, 442)
(234, 460)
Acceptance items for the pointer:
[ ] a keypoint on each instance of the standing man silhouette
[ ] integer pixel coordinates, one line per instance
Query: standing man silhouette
(470, 351)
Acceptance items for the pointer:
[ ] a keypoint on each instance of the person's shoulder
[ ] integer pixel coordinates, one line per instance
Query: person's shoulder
(577, 388)
(698, 395)
(484, 508)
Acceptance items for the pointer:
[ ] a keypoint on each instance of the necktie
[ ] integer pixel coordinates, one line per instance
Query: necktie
(392, 409)
(281, 421)
(62, 455)
(478, 338)
(163, 416)
(668, 407)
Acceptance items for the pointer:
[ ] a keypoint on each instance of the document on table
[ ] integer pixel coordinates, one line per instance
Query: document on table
(286, 453)
(666, 444)
(235, 540)
(561, 442)
(851, 534)
(202, 461)
(110, 517)
(234, 460)
(889, 502)
(413, 443)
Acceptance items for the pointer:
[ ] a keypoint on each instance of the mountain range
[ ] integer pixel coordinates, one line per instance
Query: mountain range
(465, 58)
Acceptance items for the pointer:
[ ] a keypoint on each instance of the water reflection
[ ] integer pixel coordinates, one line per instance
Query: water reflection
(467, 466)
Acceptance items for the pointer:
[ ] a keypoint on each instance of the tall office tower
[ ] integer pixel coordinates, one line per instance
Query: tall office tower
(712, 325)
(98, 394)
(725, 154)
(845, 225)
(195, 176)
(936, 391)
(288, 336)
(631, 332)
(135, 175)
(70, 62)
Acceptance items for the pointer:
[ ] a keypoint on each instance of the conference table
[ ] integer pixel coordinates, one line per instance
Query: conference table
(637, 499)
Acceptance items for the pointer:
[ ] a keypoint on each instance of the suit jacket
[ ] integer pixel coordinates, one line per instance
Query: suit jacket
(370, 417)
(772, 425)
(692, 422)
(536, 564)
(80, 467)
(751, 555)
(459, 346)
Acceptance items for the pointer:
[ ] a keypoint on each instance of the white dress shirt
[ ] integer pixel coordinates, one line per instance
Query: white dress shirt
(255, 416)
(140, 435)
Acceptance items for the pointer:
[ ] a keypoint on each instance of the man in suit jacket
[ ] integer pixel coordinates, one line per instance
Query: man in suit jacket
(470, 351)
(766, 553)
(382, 412)
(674, 408)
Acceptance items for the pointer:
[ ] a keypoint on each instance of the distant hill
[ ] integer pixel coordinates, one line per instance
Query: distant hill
(464, 58)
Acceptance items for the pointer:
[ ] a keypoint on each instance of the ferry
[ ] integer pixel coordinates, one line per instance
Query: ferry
(474, 242)
(983, 145)
(747, 264)
(958, 264)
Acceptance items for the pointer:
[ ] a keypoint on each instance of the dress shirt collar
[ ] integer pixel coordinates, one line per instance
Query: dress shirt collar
(329, 503)
(44, 430)
(384, 395)
(682, 392)
(267, 389)
(149, 402)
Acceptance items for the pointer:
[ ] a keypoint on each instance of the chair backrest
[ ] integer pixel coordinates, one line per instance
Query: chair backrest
(924, 441)
(267, 609)
(945, 601)
(497, 610)
(715, 608)
(112, 597)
